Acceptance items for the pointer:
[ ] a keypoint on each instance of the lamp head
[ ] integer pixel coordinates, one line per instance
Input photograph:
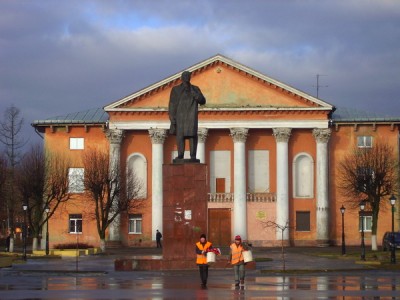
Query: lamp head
(362, 205)
(392, 200)
(342, 209)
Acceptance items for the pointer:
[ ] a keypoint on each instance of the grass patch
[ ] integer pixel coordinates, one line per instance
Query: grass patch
(262, 259)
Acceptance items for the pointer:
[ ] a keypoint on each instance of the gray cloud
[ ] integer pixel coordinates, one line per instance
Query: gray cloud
(66, 56)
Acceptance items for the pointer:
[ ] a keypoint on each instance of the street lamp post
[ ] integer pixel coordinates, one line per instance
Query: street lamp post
(342, 210)
(362, 207)
(47, 209)
(25, 208)
(393, 248)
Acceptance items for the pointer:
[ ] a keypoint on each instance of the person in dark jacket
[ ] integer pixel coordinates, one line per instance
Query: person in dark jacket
(183, 110)
(158, 239)
(201, 250)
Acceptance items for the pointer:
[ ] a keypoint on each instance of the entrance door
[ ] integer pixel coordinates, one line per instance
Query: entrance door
(219, 226)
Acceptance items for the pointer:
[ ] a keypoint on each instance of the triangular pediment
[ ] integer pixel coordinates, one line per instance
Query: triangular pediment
(226, 85)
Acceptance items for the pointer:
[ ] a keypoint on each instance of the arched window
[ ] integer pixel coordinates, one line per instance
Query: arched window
(137, 175)
(303, 176)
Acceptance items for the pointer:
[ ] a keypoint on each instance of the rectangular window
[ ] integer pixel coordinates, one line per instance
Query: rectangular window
(75, 179)
(75, 223)
(365, 220)
(135, 223)
(303, 221)
(76, 143)
(364, 141)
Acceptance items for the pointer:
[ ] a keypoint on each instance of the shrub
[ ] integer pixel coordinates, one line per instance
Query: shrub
(73, 246)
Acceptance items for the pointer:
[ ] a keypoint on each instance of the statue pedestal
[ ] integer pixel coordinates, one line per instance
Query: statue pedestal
(184, 220)
(185, 199)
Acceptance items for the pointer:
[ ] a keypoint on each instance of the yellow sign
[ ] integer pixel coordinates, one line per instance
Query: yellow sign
(261, 215)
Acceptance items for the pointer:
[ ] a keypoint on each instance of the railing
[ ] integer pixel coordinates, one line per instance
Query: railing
(250, 197)
(220, 197)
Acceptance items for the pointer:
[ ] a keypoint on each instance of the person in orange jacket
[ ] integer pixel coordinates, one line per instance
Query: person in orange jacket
(237, 260)
(201, 250)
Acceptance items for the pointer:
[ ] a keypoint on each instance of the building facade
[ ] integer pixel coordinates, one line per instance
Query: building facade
(271, 151)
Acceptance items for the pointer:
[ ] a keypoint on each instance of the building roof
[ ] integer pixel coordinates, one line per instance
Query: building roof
(91, 116)
(349, 115)
(99, 116)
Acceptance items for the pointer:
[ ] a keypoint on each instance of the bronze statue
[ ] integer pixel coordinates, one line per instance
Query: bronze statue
(183, 110)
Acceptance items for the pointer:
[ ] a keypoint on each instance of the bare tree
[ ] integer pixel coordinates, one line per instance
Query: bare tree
(3, 200)
(42, 178)
(369, 174)
(282, 228)
(10, 137)
(110, 191)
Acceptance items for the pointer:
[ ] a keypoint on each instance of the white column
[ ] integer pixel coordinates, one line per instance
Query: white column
(115, 137)
(282, 136)
(239, 136)
(322, 137)
(157, 139)
(201, 144)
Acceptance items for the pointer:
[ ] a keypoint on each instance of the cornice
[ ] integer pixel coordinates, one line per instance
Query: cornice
(207, 109)
(224, 124)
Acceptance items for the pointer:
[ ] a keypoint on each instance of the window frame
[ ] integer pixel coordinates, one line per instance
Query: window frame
(75, 218)
(76, 143)
(136, 219)
(365, 215)
(364, 143)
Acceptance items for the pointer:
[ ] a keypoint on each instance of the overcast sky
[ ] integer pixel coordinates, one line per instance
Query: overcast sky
(66, 56)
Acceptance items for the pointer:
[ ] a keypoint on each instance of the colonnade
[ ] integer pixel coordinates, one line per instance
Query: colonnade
(239, 137)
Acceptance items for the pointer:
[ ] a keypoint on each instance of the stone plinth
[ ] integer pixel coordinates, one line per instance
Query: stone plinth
(185, 190)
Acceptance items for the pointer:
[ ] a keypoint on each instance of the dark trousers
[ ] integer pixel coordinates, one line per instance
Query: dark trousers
(203, 273)
(180, 141)
(159, 244)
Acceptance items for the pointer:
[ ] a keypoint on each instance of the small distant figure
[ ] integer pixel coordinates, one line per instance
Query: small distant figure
(158, 239)
(8, 240)
(237, 260)
(201, 250)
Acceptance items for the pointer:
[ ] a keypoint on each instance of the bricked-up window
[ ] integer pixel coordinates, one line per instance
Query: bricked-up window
(75, 223)
(135, 223)
(364, 141)
(303, 221)
(75, 179)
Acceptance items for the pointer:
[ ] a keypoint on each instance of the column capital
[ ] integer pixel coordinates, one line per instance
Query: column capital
(282, 134)
(115, 136)
(322, 135)
(239, 135)
(157, 135)
(202, 134)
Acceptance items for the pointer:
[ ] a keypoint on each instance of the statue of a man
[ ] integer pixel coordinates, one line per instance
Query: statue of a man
(183, 110)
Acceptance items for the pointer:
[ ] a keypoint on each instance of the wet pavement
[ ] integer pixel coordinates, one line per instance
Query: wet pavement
(93, 277)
